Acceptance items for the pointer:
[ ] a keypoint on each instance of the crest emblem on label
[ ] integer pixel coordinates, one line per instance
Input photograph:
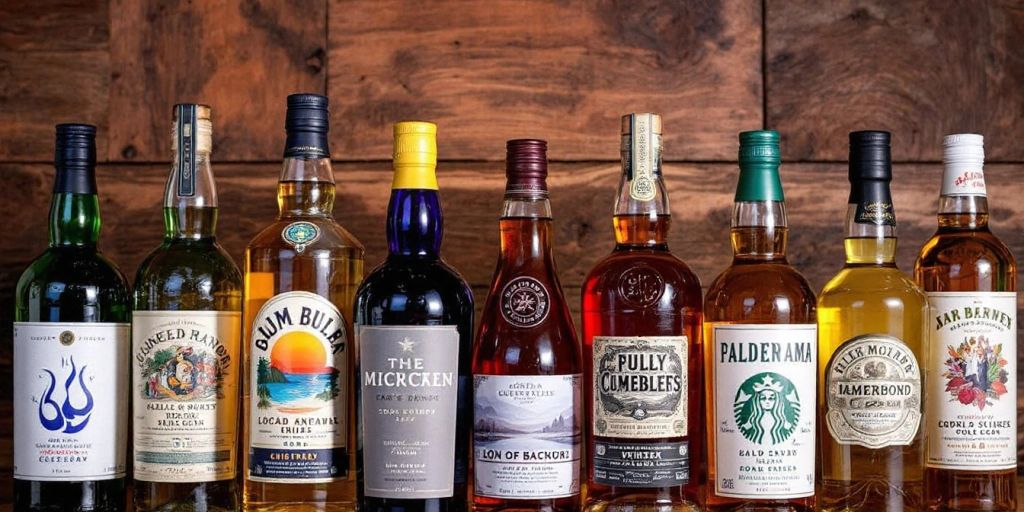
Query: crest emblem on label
(525, 302)
(767, 408)
(300, 234)
(874, 392)
(641, 286)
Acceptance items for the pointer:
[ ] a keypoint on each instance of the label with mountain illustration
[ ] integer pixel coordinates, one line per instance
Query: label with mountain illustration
(299, 363)
(764, 383)
(873, 384)
(971, 412)
(185, 395)
(70, 407)
(526, 436)
(409, 378)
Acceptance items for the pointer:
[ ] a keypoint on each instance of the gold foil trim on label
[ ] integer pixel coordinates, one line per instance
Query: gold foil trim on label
(643, 158)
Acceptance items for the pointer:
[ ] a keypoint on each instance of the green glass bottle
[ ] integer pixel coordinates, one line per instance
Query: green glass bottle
(186, 333)
(71, 344)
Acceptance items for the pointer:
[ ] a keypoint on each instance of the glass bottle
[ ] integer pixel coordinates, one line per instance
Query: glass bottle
(414, 328)
(970, 278)
(186, 331)
(641, 345)
(301, 273)
(761, 357)
(527, 401)
(871, 336)
(71, 344)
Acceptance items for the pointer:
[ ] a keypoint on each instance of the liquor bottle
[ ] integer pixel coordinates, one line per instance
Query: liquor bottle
(641, 345)
(301, 273)
(761, 358)
(414, 328)
(527, 401)
(186, 332)
(71, 344)
(970, 278)
(871, 336)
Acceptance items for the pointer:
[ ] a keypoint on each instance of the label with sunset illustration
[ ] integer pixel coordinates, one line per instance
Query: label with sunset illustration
(972, 403)
(298, 424)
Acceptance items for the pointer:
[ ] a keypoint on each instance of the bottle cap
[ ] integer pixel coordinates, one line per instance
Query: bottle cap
(526, 166)
(415, 155)
(759, 158)
(628, 122)
(75, 159)
(870, 156)
(307, 123)
(964, 159)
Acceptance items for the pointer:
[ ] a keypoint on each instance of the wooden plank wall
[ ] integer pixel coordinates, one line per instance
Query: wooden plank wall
(491, 70)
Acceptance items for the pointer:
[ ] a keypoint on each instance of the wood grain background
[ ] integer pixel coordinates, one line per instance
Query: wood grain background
(491, 70)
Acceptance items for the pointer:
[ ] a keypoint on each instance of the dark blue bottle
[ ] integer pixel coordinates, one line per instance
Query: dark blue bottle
(413, 325)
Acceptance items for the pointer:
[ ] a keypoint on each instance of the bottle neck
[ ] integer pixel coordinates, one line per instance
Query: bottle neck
(190, 199)
(759, 230)
(869, 243)
(642, 217)
(963, 213)
(415, 224)
(74, 219)
(306, 187)
(526, 230)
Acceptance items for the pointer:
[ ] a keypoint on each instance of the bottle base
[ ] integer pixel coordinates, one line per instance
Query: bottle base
(629, 503)
(299, 507)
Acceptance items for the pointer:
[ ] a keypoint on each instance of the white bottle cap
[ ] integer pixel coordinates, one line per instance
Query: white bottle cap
(964, 158)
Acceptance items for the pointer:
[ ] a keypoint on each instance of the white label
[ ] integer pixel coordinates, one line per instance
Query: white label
(963, 179)
(299, 389)
(874, 392)
(526, 436)
(643, 158)
(185, 394)
(70, 400)
(971, 411)
(764, 408)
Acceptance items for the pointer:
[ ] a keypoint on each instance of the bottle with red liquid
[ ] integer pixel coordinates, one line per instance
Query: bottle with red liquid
(642, 349)
(527, 395)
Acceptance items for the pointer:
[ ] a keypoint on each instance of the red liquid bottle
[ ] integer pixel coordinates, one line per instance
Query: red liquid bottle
(527, 396)
(641, 343)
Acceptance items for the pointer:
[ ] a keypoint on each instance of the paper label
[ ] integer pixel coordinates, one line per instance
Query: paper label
(643, 158)
(409, 379)
(70, 400)
(299, 391)
(971, 413)
(185, 394)
(963, 179)
(765, 377)
(526, 436)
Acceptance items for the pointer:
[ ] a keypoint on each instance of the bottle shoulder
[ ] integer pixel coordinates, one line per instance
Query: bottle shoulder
(745, 289)
(428, 286)
(73, 267)
(192, 261)
(330, 237)
(666, 265)
(871, 283)
(964, 248)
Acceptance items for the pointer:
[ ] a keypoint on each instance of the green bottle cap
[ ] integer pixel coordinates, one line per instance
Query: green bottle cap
(759, 167)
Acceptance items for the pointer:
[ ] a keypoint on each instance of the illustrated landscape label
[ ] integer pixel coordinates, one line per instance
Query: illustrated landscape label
(764, 410)
(185, 395)
(874, 392)
(409, 378)
(640, 394)
(70, 407)
(526, 436)
(971, 412)
(299, 389)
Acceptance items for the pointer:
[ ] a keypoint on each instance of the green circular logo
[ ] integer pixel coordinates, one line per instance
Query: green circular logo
(300, 234)
(767, 408)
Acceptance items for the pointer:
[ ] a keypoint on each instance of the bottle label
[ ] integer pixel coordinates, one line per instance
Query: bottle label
(971, 413)
(874, 203)
(70, 412)
(643, 158)
(185, 394)
(963, 179)
(526, 436)
(764, 383)
(186, 131)
(409, 378)
(525, 302)
(300, 234)
(299, 391)
(642, 464)
(874, 392)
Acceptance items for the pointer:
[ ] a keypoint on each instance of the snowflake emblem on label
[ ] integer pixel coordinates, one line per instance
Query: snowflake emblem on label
(524, 302)
(300, 234)
(641, 286)
(767, 408)
(975, 372)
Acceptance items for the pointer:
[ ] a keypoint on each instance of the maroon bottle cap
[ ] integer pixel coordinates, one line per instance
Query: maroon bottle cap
(526, 166)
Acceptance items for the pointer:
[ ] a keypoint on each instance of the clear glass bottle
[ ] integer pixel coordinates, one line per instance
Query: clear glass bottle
(186, 332)
(301, 275)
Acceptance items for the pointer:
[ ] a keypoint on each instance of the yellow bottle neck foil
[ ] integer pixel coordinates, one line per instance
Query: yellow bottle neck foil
(415, 155)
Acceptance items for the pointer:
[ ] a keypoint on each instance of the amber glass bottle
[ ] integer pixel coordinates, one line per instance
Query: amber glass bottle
(527, 403)
(642, 353)
(970, 278)
(761, 348)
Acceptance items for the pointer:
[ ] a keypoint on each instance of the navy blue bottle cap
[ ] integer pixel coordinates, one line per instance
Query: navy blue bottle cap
(870, 155)
(74, 157)
(307, 123)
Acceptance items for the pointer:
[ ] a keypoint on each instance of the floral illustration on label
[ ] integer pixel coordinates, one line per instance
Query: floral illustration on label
(300, 234)
(767, 408)
(66, 417)
(181, 373)
(524, 302)
(975, 372)
(641, 286)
